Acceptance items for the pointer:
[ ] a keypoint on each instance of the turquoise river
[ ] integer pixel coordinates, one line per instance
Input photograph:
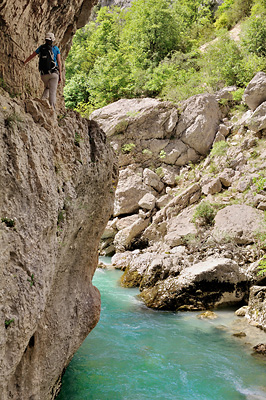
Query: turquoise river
(136, 353)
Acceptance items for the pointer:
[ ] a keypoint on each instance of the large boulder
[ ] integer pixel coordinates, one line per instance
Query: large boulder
(124, 237)
(151, 132)
(255, 92)
(152, 179)
(214, 186)
(173, 151)
(257, 121)
(152, 117)
(199, 121)
(122, 223)
(129, 191)
(256, 312)
(204, 285)
(180, 227)
(147, 202)
(158, 228)
(239, 223)
(145, 269)
(134, 265)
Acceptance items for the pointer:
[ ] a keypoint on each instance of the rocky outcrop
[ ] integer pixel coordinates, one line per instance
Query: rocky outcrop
(204, 285)
(240, 223)
(23, 29)
(255, 92)
(224, 237)
(152, 132)
(58, 177)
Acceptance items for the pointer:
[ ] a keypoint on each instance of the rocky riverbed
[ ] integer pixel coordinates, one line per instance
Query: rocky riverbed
(188, 224)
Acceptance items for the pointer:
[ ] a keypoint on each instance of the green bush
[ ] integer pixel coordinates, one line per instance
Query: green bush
(262, 266)
(219, 149)
(204, 214)
(127, 148)
(232, 11)
(254, 35)
(260, 183)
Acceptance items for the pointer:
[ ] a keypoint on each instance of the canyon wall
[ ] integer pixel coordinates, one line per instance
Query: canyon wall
(56, 195)
(58, 177)
(23, 26)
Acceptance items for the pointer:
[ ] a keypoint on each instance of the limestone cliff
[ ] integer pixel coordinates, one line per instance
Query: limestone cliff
(56, 197)
(23, 25)
(56, 194)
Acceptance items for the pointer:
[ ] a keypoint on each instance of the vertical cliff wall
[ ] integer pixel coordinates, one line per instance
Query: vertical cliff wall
(57, 181)
(23, 25)
(56, 195)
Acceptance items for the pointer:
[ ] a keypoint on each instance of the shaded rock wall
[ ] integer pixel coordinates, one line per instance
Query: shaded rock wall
(256, 312)
(23, 25)
(56, 194)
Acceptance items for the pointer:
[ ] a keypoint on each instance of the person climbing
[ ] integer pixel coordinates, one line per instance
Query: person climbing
(49, 67)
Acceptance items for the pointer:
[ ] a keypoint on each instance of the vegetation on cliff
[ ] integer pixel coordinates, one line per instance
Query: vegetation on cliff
(155, 49)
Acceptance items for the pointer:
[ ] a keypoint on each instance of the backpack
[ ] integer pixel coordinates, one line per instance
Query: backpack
(47, 64)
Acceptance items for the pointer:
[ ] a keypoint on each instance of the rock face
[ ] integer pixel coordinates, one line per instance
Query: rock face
(57, 183)
(239, 223)
(256, 312)
(198, 123)
(204, 285)
(58, 178)
(255, 92)
(152, 132)
(23, 28)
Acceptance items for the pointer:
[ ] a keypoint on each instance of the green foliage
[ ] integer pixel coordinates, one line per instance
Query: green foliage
(77, 139)
(8, 322)
(127, 148)
(151, 31)
(162, 154)
(254, 35)
(204, 214)
(238, 95)
(260, 182)
(262, 266)
(10, 223)
(153, 50)
(60, 218)
(31, 280)
(219, 149)
(159, 172)
(12, 119)
(232, 11)
(147, 152)
(254, 154)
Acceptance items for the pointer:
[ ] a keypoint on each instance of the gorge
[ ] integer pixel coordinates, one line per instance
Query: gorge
(184, 220)
(57, 186)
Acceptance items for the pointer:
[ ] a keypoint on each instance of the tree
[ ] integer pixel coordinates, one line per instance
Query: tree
(150, 31)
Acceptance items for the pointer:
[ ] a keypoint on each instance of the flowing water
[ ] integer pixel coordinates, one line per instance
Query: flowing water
(136, 353)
